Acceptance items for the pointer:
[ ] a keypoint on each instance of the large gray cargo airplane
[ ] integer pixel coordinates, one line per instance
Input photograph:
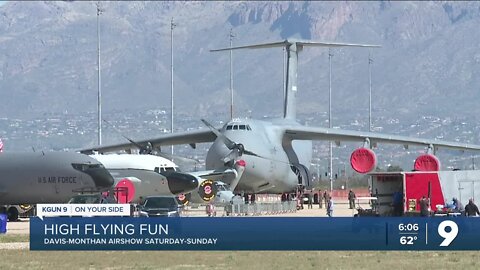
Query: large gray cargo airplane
(276, 153)
(50, 177)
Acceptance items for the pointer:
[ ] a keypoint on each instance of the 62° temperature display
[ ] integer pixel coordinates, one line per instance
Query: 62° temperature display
(409, 232)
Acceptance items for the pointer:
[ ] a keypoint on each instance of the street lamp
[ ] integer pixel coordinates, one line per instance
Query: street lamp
(330, 55)
(172, 26)
(370, 61)
(284, 81)
(231, 73)
(99, 97)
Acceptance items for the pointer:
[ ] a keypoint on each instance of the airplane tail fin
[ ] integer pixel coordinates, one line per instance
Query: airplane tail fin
(1, 146)
(293, 47)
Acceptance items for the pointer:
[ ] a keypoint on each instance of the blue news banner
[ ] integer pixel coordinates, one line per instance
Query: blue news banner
(254, 233)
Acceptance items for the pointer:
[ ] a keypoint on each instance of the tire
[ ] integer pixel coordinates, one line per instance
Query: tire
(12, 214)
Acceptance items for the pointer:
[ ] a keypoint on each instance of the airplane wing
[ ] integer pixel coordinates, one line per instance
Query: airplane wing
(225, 175)
(337, 135)
(186, 137)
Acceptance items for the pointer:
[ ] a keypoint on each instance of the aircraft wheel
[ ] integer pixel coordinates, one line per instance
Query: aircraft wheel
(12, 214)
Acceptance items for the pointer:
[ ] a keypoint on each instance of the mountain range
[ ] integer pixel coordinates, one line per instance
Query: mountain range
(428, 63)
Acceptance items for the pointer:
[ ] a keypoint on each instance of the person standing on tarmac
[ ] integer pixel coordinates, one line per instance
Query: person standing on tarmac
(245, 197)
(351, 198)
(424, 204)
(397, 203)
(325, 197)
(320, 199)
(471, 209)
(329, 207)
(310, 200)
(458, 205)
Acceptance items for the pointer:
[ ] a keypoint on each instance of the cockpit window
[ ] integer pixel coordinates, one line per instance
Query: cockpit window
(221, 187)
(164, 169)
(238, 127)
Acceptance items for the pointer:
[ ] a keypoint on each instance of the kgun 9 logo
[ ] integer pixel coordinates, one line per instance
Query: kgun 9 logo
(449, 235)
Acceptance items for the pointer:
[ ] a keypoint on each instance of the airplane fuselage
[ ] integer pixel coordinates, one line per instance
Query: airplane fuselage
(272, 172)
(149, 174)
(51, 177)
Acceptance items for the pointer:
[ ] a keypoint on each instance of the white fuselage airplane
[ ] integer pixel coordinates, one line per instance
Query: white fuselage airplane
(146, 175)
(273, 155)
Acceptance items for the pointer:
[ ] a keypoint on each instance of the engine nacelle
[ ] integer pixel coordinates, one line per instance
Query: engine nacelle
(363, 160)
(427, 162)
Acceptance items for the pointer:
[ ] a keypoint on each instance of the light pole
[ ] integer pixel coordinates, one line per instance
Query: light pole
(330, 55)
(172, 26)
(99, 88)
(370, 61)
(284, 86)
(231, 73)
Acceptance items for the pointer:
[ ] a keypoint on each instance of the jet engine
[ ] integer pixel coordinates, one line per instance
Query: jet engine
(363, 160)
(427, 162)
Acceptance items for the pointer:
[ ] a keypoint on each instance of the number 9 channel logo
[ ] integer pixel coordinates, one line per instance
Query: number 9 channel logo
(449, 235)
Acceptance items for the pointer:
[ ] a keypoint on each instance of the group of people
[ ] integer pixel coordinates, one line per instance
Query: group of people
(454, 205)
(469, 210)
(322, 198)
(327, 199)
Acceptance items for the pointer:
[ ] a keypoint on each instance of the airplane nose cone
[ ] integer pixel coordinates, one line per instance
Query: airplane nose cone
(181, 182)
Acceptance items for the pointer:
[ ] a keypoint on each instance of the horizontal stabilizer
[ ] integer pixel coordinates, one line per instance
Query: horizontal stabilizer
(298, 42)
